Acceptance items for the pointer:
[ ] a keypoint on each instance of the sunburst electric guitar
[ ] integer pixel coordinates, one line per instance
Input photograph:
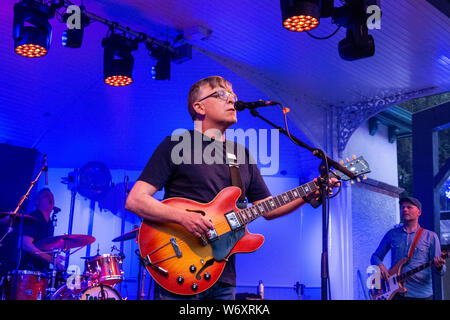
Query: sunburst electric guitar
(184, 264)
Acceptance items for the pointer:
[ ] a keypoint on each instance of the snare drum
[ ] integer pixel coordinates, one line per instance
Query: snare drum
(105, 269)
(101, 292)
(31, 285)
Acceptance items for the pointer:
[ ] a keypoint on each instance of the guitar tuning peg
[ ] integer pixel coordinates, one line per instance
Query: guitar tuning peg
(341, 162)
(358, 179)
(353, 157)
(352, 182)
(364, 177)
(347, 159)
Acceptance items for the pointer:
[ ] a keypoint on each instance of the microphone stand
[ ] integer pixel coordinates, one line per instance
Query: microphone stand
(20, 236)
(323, 182)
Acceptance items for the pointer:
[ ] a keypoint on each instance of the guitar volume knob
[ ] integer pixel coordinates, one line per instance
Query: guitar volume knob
(180, 280)
(192, 268)
(207, 276)
(194, 287)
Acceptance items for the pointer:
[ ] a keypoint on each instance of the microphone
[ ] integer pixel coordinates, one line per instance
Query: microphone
(241, 105)
(56, 209)
(46, 169)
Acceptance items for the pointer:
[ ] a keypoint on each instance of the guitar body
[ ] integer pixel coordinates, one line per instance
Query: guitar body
(184, 264)
(392, 286)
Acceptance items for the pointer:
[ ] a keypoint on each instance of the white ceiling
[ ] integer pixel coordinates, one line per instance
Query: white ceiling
(59, 104)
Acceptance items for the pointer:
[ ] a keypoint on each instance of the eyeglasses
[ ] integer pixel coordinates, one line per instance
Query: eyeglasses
(222, 95)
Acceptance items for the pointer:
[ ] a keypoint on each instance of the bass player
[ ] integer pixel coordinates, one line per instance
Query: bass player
(427, 247)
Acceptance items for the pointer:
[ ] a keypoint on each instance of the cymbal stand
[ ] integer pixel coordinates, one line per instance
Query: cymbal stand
(10, 228)
(24, 197)
(52, 288)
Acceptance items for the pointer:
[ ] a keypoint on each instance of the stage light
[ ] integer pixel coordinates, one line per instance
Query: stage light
(163, 56)
(300, 15)
(31, 30)
(117, 60)
(76, 21)
(358, 43)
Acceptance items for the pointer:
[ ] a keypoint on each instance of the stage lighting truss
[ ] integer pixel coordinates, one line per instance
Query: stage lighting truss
(31, 30)
(32, 34)
(117, 60)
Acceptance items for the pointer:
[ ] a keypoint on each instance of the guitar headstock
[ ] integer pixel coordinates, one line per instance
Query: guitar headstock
(358, 166)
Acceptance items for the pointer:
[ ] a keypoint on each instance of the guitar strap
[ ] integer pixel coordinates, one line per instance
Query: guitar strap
(414, 243)
(236, 179)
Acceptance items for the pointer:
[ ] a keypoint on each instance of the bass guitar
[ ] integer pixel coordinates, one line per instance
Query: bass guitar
(184, 264)
(393, 285)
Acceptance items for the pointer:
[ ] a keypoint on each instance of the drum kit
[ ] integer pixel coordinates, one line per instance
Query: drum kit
(102, 273)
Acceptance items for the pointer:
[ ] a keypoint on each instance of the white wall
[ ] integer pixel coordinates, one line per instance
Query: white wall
(372, 213)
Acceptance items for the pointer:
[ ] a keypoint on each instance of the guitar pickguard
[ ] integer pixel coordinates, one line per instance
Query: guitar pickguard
(222, 246)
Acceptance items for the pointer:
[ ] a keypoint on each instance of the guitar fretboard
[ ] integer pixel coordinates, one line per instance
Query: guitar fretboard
(409, 273)
(251, 213)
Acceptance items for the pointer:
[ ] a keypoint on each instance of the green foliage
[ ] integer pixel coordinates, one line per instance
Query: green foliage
(404, 145)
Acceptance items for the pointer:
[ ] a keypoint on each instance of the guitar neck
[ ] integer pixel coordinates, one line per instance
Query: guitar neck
(409, 273)
(251, 213)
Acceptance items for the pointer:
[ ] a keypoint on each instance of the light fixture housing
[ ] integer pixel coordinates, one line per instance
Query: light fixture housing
(32, 32)
(358, 43)
(163, 56)
(300, 15)
(118, 61)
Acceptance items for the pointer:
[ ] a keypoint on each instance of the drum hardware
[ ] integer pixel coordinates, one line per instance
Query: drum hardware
(14, 215)
(58, 244)
(95, 292)
(141, 277)
(127, 236)
(65, 242)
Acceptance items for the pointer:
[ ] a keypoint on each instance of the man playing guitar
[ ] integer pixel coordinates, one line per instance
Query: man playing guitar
(400, 240)
(211, 106)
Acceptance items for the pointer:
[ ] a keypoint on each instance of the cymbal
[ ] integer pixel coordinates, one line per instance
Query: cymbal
(127, 236)
(65, 242)
(17, 215)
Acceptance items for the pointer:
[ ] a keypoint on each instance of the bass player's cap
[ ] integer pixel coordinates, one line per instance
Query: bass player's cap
(414, 201)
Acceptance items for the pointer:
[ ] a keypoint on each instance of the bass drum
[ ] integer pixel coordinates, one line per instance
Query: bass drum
(101, 292)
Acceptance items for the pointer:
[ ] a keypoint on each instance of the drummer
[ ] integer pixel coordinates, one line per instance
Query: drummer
(32, 257)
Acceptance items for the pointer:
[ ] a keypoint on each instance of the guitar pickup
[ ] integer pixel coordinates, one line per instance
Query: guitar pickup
(232, 220)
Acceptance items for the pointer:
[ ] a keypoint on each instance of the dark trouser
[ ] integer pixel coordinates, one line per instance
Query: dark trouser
(219, 291)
